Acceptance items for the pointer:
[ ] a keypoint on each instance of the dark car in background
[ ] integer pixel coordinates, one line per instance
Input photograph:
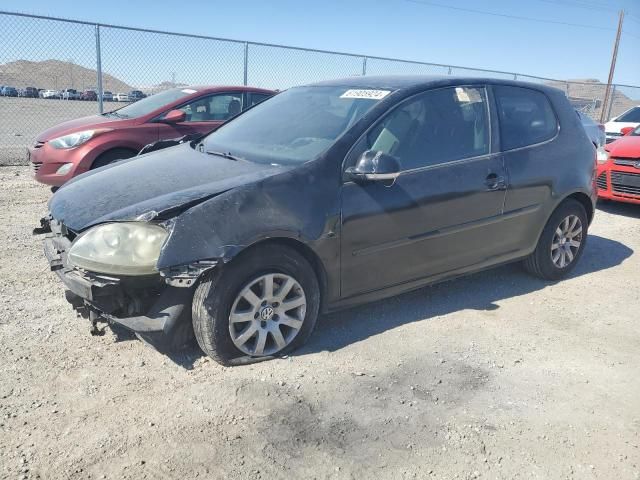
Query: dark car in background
(323, 197)
(135, 95)
(9, 91)
(77, 146)
(28, 92)
(89, 95)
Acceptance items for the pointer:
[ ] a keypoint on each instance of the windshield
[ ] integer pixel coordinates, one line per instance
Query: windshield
(632, 115)
(153, 102)
(294, 126)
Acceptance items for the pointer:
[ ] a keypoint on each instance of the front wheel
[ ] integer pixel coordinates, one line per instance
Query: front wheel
(561, 243)
(262, 304)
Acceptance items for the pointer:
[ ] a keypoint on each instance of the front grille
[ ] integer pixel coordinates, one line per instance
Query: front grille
(627, 161)
(601, 181)
(36, 167)
(625, 183)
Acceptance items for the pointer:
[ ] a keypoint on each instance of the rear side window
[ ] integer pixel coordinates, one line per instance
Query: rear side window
(526, 117)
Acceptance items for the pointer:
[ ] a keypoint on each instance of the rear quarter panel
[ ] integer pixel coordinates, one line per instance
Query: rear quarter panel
(542, 176)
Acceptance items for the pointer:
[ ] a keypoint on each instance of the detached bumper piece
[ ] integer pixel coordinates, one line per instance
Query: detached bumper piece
(159, 313)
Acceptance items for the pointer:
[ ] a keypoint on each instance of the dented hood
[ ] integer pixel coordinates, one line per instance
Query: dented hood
(163, 182)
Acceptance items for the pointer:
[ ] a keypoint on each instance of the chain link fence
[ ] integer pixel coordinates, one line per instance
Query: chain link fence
(59, 69)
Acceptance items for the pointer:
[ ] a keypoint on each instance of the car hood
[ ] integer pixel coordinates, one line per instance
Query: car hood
(627, 146)
(159, 184)
(85, 123)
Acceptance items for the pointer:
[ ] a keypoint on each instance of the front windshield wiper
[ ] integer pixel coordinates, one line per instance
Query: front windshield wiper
(227, 155)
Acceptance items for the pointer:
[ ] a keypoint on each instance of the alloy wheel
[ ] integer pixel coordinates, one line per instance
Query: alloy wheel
(566, 242)
(267, 314)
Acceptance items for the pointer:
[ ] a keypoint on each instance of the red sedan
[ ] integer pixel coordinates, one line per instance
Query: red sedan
(73, 147)
(618, 175)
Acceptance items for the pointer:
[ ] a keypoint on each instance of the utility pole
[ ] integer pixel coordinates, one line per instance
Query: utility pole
(614, 57)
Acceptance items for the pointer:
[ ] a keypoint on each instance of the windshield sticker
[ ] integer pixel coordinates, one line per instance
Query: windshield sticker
(189, 90)
(370, 94)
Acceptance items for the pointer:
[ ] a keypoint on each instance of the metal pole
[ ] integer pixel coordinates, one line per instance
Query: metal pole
(364, 66)
(246, 62)
(613, 67)
(610, 106)
(99, 70)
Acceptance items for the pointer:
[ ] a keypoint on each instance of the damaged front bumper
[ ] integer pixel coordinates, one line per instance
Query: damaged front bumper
(156, 307)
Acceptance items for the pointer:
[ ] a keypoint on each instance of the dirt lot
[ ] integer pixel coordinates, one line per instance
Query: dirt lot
(22, 119)
(495, 376)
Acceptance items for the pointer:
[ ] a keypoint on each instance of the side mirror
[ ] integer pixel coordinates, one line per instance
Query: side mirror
(174, 116)
(626, 130)
(374, 166)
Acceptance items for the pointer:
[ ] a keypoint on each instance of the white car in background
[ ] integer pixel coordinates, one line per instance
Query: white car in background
(70, 94)
(630, 118)
(107, 96)
(121, 97)
(50, 94)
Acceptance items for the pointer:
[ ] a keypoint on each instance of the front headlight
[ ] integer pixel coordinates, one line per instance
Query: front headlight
(75, 139)
(602, 155)
(127, 248)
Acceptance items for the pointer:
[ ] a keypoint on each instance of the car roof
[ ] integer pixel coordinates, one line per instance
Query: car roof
(226, 88)
(413, 82)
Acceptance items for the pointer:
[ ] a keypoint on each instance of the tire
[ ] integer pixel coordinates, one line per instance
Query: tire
(223, 290)
(545, 262)
(112, 156)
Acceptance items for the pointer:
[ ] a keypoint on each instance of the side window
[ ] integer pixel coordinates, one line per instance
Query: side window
(257, 98)
(632, 115)
(213, 108)
(526, 117)
(435, 127)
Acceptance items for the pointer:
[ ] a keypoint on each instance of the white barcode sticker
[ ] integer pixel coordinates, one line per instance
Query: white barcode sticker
(371, 94)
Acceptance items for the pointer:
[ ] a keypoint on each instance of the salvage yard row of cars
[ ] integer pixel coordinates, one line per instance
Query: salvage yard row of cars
(70, 94)
(250, 213)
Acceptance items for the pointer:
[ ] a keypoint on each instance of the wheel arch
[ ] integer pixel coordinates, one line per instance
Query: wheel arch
(303, 249)
(584, 200)
(110, 150)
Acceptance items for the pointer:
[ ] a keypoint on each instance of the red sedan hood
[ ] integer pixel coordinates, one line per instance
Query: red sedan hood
(84, 123)
(628, 146)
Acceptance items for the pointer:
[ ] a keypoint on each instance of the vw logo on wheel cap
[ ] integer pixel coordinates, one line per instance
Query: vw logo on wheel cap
(266, 313)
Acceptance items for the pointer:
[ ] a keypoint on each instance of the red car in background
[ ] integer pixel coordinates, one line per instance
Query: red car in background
(71, 148)
(618, 174)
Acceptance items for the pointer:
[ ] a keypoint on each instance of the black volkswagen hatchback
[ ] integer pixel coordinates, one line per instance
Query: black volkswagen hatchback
(323, 197)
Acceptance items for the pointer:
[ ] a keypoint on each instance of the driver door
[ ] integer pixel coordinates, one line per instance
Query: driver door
(440, 213)
(203, 115)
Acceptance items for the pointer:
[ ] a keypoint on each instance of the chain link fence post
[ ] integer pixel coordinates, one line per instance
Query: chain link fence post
(99, 71)
(610, 106)
(364, 66)
(246, 63)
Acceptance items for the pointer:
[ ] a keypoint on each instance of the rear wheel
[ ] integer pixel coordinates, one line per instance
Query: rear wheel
(112, 156)
(262, 304)
(561, 243)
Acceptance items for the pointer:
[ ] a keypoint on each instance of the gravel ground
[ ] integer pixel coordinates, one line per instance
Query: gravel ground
(497, 375)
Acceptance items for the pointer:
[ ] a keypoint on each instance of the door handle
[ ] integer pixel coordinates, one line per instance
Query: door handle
(494, 181)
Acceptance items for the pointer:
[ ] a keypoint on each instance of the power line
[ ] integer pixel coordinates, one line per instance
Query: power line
(577, 4)
(504, 15)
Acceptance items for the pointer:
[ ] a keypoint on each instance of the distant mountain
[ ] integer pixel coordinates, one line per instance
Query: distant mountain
(591, 91)
(57, 75)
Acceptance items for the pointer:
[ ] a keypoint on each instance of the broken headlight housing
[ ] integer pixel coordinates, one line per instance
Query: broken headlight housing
(125, 248)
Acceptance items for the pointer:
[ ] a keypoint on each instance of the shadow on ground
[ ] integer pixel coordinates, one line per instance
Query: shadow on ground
(477, 292)
(618, 208)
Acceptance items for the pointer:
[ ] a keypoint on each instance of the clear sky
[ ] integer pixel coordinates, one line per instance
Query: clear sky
(409, 29)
